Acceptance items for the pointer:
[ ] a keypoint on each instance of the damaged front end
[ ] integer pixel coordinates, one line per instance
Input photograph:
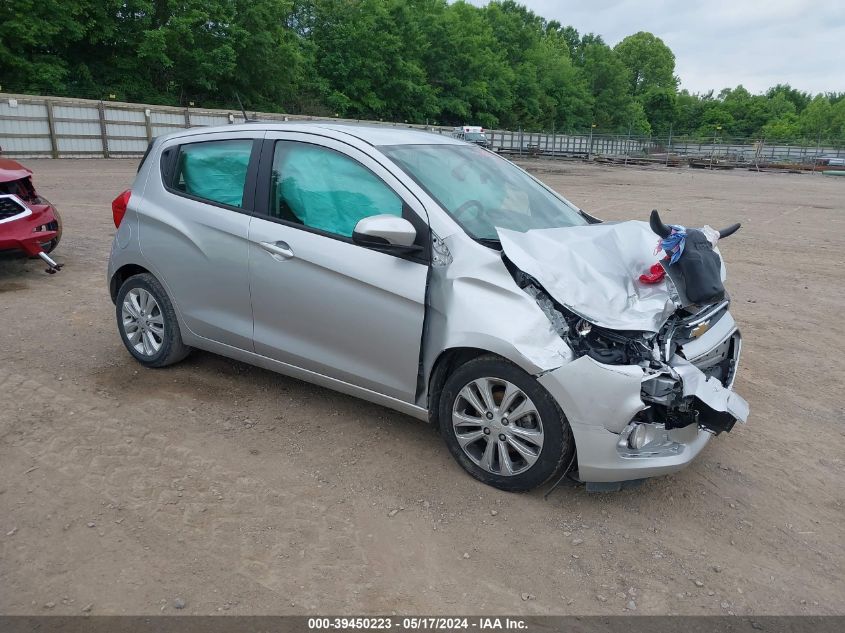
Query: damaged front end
(28, 222)
(687, 368)
(662, 386)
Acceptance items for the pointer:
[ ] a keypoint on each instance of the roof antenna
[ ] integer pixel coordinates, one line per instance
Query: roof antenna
(246, 118)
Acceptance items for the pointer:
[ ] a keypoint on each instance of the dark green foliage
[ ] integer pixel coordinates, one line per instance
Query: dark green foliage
(402, 60)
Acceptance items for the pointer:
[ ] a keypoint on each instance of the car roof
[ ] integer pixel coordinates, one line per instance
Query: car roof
(372, 134)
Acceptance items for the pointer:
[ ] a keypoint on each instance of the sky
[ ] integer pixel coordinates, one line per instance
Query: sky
(724, 43)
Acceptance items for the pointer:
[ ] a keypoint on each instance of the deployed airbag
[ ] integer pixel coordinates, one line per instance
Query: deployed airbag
(325, 190)
(216, 171)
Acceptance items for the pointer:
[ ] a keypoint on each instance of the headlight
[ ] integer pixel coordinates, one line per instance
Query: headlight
(610, 347)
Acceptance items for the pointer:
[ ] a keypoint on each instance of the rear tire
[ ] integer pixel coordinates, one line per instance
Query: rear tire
(147, 322)
(515, 437)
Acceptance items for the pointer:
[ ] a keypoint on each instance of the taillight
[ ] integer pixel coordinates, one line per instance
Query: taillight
(118, 207)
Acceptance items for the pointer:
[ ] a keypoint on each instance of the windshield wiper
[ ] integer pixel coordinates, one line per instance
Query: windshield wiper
(492, 242)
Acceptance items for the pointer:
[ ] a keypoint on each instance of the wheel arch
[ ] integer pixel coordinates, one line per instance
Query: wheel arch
(447, 362)
(121, 275)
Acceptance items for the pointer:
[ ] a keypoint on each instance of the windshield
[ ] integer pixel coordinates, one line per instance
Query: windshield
(475, 136)
(481, 190)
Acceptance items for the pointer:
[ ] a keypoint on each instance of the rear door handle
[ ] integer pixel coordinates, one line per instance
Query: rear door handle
(279, 250)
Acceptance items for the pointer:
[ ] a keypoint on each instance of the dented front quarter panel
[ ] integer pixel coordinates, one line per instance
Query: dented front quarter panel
(593, 393)
(474, 302)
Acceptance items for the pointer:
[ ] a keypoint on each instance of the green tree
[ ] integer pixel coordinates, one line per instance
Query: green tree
(36, 42)
(189, 48)
(816, 120)
(566, 102)
(518, 33)
(467, 67)
(750, 112)
(659, 108)
(650, 63)
(688, 111)
(362, 52)
(607, 79)
(798, 99)
(837, 121)
(784, 128)
(715, 119)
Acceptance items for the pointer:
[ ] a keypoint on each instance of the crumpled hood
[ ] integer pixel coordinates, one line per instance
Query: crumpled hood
(594, 271)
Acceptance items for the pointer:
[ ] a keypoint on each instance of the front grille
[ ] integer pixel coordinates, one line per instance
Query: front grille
(9, 207)
(720, 362)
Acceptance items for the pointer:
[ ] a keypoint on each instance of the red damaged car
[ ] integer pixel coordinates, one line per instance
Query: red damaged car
(28, 222)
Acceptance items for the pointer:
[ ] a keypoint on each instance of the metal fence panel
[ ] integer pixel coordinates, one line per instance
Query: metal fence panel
(77, 128)
(75, 112)
(128, 146)
(77, 145)
(113, 129)
(124, 114)
(24, 126)
(168, 117)
(54, 126)
(25, 146)
(13, 107)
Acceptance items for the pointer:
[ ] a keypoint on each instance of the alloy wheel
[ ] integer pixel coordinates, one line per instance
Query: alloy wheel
(142, 322)
(497, 426)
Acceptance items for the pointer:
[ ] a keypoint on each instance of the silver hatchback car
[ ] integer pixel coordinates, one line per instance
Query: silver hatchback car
(434, 277)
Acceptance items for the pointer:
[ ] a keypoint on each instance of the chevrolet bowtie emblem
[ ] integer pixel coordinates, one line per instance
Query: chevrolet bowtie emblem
(700, 329)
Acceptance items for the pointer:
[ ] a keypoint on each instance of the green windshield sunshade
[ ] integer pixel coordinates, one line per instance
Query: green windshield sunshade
(216, 170)
(330, 192)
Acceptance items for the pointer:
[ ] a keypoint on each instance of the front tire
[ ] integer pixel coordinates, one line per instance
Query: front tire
(147, 322)
(502, 426)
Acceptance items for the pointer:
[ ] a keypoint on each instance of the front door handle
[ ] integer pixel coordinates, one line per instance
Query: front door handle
(279, 250)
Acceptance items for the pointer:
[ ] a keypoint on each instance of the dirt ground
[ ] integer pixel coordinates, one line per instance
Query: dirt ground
(241, 491)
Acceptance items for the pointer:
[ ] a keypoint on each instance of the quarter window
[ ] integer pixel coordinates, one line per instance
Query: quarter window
(322, 189)
(214, 170)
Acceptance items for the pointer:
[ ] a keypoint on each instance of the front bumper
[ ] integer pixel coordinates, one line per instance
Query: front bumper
(25, 231)
(601, 403)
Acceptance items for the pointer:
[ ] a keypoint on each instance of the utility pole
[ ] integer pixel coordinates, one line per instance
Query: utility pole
(669, 148)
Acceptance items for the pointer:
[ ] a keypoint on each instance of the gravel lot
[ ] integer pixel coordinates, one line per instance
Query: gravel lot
(223, 488)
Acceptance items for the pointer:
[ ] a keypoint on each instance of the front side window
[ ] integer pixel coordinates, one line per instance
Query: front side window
(322, 189)
(481, 190)
(214, 170)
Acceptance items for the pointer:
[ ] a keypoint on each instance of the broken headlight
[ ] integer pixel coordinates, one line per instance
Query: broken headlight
(611, 347)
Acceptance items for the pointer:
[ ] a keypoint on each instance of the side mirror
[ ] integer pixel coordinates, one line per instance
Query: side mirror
(386, 231)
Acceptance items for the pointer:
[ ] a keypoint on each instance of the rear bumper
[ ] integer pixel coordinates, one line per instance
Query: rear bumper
(601, 403)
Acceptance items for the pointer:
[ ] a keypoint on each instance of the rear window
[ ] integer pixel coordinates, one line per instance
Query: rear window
(213, 170)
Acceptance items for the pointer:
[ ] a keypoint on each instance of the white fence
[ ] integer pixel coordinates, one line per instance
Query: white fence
(35, 126)
(47, 126)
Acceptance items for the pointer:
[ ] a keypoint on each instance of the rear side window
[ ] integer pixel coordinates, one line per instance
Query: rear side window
(322, 189)
(213, 170)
